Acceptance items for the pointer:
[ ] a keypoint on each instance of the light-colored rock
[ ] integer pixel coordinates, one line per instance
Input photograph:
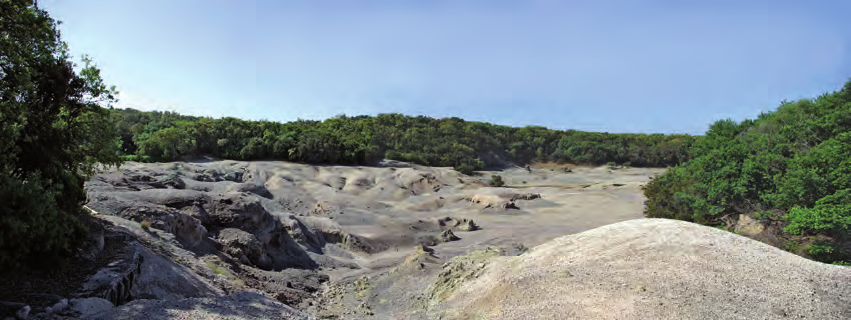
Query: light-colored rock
(749, 226)
(23, 313)
(652, 269)
(59, 306)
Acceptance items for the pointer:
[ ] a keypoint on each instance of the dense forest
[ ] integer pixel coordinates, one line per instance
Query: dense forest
(448, 142)
(790, 167)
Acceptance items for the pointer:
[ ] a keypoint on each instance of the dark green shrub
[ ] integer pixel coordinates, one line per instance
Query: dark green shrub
(465, 169)
(496, 181)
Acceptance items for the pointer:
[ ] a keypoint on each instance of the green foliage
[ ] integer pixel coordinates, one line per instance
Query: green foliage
(794, 164)
(611, 164)
(819, 248)
(842, 263)
(465, 169)
(55, 133)
(792, 246)
(450, 142)
(145, 224)
(496, 181)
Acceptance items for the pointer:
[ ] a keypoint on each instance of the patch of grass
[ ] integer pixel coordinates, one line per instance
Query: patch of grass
(145, 225)
(842, 263)
(224, 272)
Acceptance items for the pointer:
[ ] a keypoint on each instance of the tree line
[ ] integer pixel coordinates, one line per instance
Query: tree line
(448, 142)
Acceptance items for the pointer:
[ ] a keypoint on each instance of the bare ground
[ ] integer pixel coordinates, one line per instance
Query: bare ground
(413, 242)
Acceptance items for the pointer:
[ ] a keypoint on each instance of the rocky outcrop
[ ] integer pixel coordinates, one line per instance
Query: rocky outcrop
(527, 196)
(171, 181)
(188, 230)
(115, 282)
(252, 188)
(466, 225)
(748, 226)
(239, 210)
(459, 270)
(119, 290)
(447, 236)
(245, 247)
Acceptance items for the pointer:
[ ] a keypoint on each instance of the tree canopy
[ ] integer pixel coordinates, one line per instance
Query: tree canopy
(55, 131)
(448, 142)
(791, 166)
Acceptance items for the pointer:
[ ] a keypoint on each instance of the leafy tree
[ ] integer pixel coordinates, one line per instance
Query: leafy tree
(791, 166)
(55, 132)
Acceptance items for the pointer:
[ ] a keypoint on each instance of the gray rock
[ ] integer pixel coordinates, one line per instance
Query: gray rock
(59, 306)
(245, 247)
(23, 313)
(89, 306)
(233, 176)
(240, 305)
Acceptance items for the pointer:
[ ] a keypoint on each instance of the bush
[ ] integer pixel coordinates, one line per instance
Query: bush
(611, 164)
(627, 164)
(496, 181)
(33, 223)
(145, 225)
(465, 169)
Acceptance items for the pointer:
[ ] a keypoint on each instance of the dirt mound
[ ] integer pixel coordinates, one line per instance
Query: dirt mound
(648, 269)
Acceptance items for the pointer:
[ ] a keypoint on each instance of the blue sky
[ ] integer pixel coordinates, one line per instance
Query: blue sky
(615, 66)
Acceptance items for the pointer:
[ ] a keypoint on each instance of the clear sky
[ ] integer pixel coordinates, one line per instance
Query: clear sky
(605, 65)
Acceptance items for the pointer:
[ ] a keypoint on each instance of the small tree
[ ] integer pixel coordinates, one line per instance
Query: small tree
(496, 181)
